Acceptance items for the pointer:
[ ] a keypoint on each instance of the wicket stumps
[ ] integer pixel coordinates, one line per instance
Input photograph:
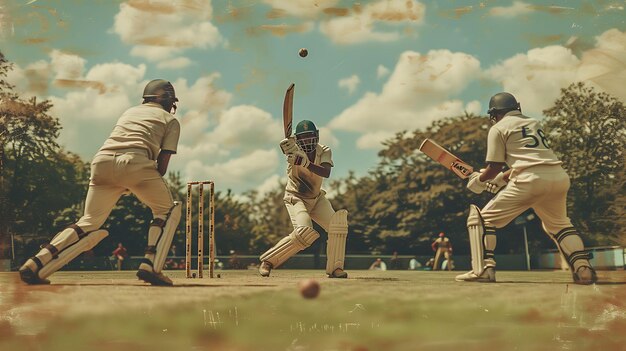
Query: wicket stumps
(188, 227)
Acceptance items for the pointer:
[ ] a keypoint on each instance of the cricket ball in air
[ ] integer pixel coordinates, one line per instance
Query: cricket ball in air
(303, 52)
(309, 288)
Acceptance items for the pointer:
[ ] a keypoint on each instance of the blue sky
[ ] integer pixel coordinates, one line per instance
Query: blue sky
(374, 68)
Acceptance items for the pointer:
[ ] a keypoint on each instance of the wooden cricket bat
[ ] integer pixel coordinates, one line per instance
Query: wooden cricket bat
(288, 111)
(446, 158)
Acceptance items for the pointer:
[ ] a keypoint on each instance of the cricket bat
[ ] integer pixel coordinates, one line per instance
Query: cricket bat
(446, 158)
(288, 111)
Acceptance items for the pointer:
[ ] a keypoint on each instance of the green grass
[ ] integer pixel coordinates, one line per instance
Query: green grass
(393, 310)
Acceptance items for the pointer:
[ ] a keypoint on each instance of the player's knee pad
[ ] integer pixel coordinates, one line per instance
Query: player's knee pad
(304, 236)
(336, 245)
(571, 246)
(160, 236)
(482, 240)
(300, 238)
(61, 257)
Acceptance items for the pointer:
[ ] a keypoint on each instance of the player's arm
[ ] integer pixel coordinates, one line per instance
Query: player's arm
(491, 171)
(322, 170)
(433, 245)
(163, 161)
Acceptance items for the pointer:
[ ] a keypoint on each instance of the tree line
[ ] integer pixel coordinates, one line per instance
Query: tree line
(400, 205)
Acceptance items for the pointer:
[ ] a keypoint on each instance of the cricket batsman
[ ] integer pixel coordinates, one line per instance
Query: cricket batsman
(535, 179)
(134, 158)
(308, 163)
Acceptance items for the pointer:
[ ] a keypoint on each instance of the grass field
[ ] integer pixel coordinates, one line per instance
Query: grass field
(373, 310)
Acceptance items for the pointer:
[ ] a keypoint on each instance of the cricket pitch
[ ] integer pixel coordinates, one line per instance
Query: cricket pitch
(372, 310)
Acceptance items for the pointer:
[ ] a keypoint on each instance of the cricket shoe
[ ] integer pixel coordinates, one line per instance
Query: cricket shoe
(488, 276)
(338, 273)
(154, 278)
(585, 275)
(31, 278)
(265, 268)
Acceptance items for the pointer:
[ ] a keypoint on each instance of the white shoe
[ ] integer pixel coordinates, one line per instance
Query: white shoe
(265, 268)
(488, 276)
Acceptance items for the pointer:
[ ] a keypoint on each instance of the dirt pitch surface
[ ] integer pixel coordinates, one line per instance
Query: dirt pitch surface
(372, 310)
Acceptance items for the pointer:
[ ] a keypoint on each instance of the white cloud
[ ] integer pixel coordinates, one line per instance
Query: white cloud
(301, 8)
(67, 66)
(350, 83)
(381, 71)
(176, 63)
(248, 127)
(364, 23)
(373, 140)
(164, 28)
(418, 91)
(603, 66)
(154, 53)
(518, 8)
(270, 184)
(328, 138)
(535, 78)
(251, 168)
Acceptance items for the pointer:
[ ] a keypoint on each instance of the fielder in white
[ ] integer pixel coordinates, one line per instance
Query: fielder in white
(535, 179)
(134, 158)
(308, 164)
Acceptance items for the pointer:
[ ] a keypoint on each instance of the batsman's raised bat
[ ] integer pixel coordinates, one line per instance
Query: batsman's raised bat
(446, 158)
(288, 110)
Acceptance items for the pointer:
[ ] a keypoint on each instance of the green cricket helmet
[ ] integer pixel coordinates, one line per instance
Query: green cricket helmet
(307, 136)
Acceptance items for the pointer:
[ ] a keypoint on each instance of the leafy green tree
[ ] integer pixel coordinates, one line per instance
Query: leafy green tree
(38, 180)
(587, 129)
(270, 220)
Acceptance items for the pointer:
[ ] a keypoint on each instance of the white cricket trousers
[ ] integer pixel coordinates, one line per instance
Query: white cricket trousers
(113, 174)
(542, 188)
(303, 211)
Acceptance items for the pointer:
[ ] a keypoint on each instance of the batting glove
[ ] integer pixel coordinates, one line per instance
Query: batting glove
(494, 185)
(475, 185)
(298, 159)
(289, 146)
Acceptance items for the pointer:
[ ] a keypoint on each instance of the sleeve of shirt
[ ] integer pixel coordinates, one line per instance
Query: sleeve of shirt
(327, 156)
(172, 133)
(496, 147)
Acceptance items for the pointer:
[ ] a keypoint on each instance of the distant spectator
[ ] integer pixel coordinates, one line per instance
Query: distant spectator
(394, 262)
(414, 264)
(378, 265)
(429, 264)
(233, 260)
(120, 253)
(173, 251)
(441, 246)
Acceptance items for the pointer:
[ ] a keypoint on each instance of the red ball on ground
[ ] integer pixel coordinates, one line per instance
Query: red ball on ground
(309, 288)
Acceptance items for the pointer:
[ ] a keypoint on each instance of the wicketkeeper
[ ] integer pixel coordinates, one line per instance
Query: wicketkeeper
(308, 163)
(535, 179)
(134, 158)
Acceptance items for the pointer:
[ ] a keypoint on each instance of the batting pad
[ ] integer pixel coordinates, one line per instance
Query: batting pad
(571, 246)
(336, 245)
(299, 239)
(482, 241)
(69, 253)
(164, 236)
